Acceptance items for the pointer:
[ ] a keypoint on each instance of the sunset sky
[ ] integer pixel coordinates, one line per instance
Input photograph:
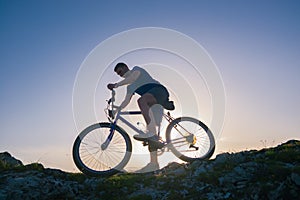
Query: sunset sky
(254, 44)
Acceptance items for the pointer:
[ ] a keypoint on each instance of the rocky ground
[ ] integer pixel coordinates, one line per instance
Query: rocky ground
(271, 173)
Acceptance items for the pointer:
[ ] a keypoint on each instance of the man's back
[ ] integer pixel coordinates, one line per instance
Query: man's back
(143, 79)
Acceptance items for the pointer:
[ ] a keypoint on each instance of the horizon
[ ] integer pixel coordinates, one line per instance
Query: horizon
(255, 47)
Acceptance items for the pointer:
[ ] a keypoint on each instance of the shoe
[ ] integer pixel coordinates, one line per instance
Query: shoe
(144, 137)
(150, 167)
(169, 105)
(155, 143)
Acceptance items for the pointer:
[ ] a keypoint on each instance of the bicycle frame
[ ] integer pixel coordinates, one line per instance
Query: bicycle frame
(114, 124)
(118, 117)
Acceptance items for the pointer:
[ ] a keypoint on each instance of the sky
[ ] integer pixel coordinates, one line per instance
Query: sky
(254, 44)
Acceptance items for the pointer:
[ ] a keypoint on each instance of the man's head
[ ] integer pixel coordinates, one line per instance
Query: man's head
(121, 69)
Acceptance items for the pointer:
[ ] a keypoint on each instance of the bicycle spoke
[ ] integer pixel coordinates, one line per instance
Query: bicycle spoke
(189, 139)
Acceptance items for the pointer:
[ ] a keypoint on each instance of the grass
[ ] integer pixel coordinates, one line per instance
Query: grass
(33, 166)
(78, 177)
(123, 184)
(3, 166)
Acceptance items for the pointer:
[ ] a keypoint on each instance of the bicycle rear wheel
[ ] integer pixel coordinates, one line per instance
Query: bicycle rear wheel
(92, 158)
(190, 139)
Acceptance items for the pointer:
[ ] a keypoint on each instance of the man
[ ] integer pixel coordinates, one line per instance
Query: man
(152, 92)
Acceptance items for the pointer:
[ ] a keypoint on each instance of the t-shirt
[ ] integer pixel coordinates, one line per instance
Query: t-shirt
(143, 79)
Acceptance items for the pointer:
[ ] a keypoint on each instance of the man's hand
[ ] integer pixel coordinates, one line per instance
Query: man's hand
(111, 86)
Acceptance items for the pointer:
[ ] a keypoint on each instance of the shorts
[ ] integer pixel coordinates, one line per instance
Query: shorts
(159, 92)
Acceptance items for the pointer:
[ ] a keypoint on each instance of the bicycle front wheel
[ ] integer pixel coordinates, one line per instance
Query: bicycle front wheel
(94, 154)
(190, 139)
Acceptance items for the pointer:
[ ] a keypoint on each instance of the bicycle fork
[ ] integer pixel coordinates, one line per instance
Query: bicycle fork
(109, 138)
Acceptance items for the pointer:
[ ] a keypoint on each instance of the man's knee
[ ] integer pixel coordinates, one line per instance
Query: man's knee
(141, 101)
(146, 100)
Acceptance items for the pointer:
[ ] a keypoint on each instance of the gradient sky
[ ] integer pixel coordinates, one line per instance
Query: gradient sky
(255, 45)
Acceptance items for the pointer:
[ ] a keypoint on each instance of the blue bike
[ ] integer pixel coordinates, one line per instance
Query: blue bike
(104, 149)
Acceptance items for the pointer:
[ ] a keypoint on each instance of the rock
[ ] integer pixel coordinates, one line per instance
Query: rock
(229, 176)
(295, 178)
(278, 192)
(7, 161)
(222, 158)
(200, 170)
(174, 169)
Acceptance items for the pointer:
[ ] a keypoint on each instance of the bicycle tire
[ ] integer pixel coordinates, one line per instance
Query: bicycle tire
(183, 132)
(92, 160)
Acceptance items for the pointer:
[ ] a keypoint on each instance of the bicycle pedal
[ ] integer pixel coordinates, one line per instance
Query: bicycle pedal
(145, 143)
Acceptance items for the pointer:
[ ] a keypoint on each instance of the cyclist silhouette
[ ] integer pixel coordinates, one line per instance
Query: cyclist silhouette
(151, 92)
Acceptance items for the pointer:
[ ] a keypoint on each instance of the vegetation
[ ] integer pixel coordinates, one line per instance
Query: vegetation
(273, 173)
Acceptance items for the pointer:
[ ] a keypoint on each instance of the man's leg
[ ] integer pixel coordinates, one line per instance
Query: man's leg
(153, 156)
(145, 102)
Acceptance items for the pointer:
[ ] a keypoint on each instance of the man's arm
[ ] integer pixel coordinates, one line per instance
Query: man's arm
(126, 101)
(128, 80)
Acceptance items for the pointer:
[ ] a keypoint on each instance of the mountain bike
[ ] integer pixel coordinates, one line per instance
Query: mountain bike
(104, 148)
